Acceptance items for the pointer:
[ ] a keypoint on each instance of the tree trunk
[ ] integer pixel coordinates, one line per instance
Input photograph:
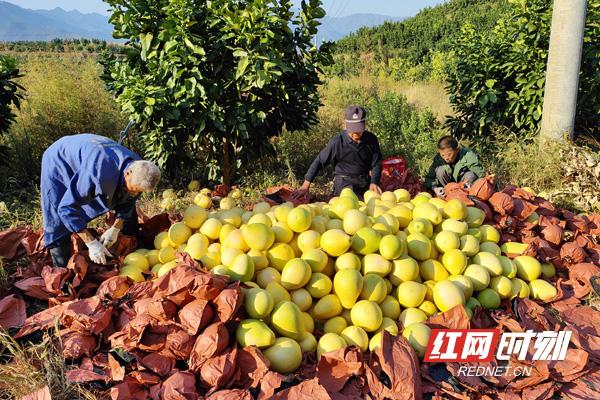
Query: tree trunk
(228, 160)
(562, 75)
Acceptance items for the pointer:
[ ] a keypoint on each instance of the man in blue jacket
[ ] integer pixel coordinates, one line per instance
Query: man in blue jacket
(85, 176)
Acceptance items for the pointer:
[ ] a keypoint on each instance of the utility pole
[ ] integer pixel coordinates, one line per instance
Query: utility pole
(564, 64)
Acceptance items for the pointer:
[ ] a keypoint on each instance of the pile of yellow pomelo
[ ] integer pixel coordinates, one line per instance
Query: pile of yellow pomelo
(352, 268)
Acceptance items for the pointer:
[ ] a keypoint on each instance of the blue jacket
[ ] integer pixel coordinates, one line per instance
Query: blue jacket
(82, 178)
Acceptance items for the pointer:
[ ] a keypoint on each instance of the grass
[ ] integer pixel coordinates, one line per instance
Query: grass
(26, 369)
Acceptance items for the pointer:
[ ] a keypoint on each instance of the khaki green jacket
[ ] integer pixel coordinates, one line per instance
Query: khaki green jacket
(467, 161)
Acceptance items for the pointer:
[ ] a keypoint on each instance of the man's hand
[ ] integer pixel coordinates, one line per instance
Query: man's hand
(375, 188)
(98, 252)
(109, 238)
(439, 191)
(302, 190)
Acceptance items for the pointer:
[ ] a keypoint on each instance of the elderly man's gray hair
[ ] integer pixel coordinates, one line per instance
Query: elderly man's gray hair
(144, 174)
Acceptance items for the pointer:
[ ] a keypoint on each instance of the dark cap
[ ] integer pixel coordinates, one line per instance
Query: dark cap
(355, 118)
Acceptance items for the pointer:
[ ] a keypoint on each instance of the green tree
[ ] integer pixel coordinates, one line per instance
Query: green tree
(9, 97)
(213, 81)
(500, 75)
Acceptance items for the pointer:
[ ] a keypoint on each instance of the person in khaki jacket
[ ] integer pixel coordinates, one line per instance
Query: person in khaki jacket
(452, 164)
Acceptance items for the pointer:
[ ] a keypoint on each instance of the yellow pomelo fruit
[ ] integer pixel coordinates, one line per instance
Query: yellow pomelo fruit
(282, 233)
(403, 214)
(196, 250)
(335, 224)
(282, 210)
(366, 241)
(242, 268)
(489, 234)
(329, 268)
(309, 240)
(412, 315)
(329, 342)
(404, 269)
(548, 270)
(411, 294)
(472, 303)
(155, 268)
(489, 298)
(419, 246)
(390, 221)
(502, 285)
(137, 260)
(133, 272)
(211, 228)
(392, 247)
(490, 247)
(327, 307)
(356, 336)
(534, 218)
(519, 288)
(319, 224)
(429, 285)
(277, 292)
(229, 254)
(179, 233)
(447, 295)
(251, 332)
(335, 325)
(421, 225)
(367, 315)
(439, 203)
(284, 356)
(309, 323)
(260, 219)
(347, 192)
(279, 255)
(388, 196)
(375, 341)
(348, 284)
(231, 217)
(287, 320)
(309, 343)
(509, 268)
(258, 302)
(428, 211)
(226, 229)
(513, 248)
(226, 203)
(161, 240)
(259, 258)
(376, 264)
(489, 261)
(194, 216)
(402, 195)
(374, 288)
(455, 261)
(316, 259)
(348, 261)
(464, 283)
(469, 245)
(479, 276)
(542, 290)
(342, 205)
(388, 324)
(417, 335)
(261, 208)
(446, 240)
(433, 270)
(166, 268)
(258, 236)
(346, 315)
(152, 257)
(319, 285)
(475, 217)
(266, 276)
(211, 259)
(302, 298)
(475, 232)
(166, 254)
(421, 198)
(455, 209)
(335, 242)
(390, 307)
(299, 219)
(354, 220)
(203, 201)
(453, 225)
(295, 274)
(428, 307)
(528, 268)
(235, 240)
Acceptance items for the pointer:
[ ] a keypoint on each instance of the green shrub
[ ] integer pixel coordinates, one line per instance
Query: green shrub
(9, 97)
(65, 96)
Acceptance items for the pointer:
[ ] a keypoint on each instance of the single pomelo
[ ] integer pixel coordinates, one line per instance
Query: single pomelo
(354, 220)
(366, 241)
(309, 240)
(411, 316)
(419, 246)
(489, 261)
(348, 261)
(277, 292)
(284, 356)
(421, 225)
(456, 226)
(327, 307)
(374, 288)
(404, 269)
(258, 302)
(287, 320)
(464, 283)
(367, 315)
(392, 247)
(475, 217)
(411, 294)
(479, 276)
(133, 272)
(329, 342)
(502, 285)
(302, 298)
(295, 274)
(279, 254)
(299, 219)
(309, 343)
(489, 298)
(335, 325)
(356, 336)
(528, 268)
(251, 332)
(417, 335)
(316, 259)
(509, 268)
(242, 268)
(376, 264)
(390, 307)
(433, 270)
(335, 242)
(447, 295)
(319, 285)
(455, 261)
(542, 290)
(282, 233)
(446, 240)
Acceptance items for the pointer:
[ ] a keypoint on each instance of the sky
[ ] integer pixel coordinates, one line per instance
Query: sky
(334, 8)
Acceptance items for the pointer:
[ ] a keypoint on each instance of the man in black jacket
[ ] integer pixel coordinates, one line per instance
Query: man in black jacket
(355, 156)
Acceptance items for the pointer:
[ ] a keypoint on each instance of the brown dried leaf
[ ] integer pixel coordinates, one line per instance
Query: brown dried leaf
(195, 316)
(80, 375)
(218, 371)
(114, 288)
(252, 367)
(229, 394)
(306, 390)
(571, 368)
(502, 203)
(117, 372)
(180, 343)
(483, 188)
(42, 320)
(455, 318)
(180, 386)
(76, 345)
(10, 242)
(40, 394)
(212, 342)
(337, 367)
(572, 253)
(12, 312)
(228, 302)
(158, 363)
(128, 391)
(271, 382)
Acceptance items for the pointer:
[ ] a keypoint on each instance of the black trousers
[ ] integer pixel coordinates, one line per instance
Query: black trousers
(61, 251)
(444, 178)
(359, 185)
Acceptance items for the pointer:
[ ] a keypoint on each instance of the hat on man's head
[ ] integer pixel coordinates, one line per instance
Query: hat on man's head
(355, 118)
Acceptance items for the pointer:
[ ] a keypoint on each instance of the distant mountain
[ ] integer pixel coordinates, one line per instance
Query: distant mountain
(23, 24)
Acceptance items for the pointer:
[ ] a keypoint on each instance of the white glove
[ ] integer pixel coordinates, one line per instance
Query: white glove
(109, 237)
(439, 191)
(98, 252)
